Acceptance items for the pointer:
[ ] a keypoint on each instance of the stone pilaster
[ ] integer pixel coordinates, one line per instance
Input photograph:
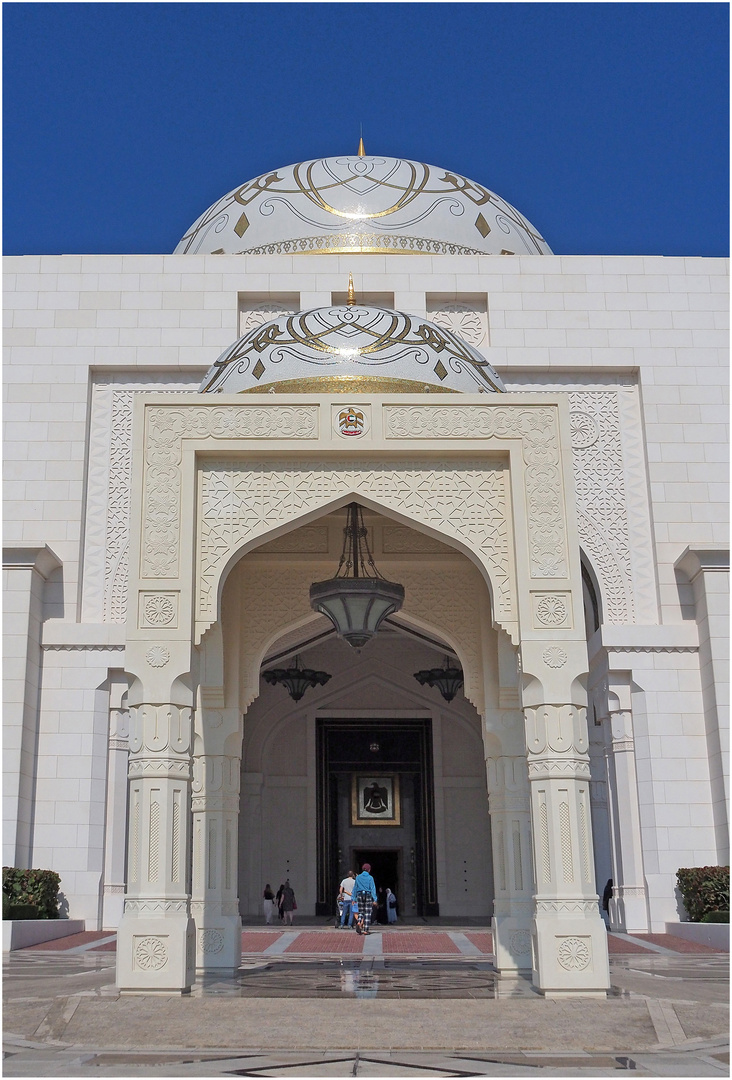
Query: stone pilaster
(155, 942)
(116, 821)
(628, 906)
(569, 937)
(513, 908)
(215, 905)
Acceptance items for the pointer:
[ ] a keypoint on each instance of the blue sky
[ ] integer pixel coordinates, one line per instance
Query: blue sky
(606, 124)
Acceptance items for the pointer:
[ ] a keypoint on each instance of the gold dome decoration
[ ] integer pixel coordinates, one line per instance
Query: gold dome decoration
(351, 346)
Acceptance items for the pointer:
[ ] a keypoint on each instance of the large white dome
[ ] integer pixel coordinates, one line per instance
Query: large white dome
(362, 204)
(351, 349)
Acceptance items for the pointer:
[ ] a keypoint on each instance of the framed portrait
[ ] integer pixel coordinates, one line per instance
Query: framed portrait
(375, 799)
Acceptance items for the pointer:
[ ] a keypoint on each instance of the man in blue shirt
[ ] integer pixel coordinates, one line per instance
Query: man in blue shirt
(364, 894)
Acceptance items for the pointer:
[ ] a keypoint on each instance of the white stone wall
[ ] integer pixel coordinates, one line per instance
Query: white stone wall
(80, 329)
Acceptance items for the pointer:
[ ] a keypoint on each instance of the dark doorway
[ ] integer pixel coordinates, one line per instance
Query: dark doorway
(384, 866)
(402, 855)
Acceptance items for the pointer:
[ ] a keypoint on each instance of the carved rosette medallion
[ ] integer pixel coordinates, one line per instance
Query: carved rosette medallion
(573, 953)
(157, 656)
(211, 941)
(151, 954)
(551, 610)
(584, 429)
(519, 943)
(462, 319)
(554, 656)
(158, 609)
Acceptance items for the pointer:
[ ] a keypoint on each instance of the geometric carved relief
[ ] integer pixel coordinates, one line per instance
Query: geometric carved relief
(463, 499)
(166, 429)
(536, 426)
(599, 477)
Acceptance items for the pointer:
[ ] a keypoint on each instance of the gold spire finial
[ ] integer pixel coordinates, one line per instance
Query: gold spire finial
(361, 148)
(351, 292)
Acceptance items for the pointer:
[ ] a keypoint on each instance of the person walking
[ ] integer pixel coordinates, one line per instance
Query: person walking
(288, 903)
(391, 905)
(278, 903)
(345, 895)
(605, 906)
(364, 893)
(268, 902)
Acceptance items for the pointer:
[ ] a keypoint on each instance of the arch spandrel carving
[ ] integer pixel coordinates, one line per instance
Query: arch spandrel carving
(465, 500)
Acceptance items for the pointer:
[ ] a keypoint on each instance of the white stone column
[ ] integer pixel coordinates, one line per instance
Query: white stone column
(569, 937)
(156, 940)
(707, 569)
(115, 830)
(629, 905)
(26, 567)
(215, 905)
(513, 909)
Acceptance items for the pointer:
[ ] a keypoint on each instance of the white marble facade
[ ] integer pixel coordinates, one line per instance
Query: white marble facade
(633, 353)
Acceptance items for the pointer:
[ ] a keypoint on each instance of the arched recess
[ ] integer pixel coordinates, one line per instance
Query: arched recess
(377, 685)
(591, 595)
(448, 599)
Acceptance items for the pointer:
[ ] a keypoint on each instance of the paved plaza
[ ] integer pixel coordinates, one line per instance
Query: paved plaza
(411, 1001)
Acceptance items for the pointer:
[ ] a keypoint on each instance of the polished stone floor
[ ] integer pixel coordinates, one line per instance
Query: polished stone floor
(302, 1010)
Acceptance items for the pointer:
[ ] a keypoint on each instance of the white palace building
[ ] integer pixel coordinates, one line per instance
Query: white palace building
(532, 447)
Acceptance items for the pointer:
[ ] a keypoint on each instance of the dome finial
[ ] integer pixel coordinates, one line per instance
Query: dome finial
(361, 147)
(351, 292)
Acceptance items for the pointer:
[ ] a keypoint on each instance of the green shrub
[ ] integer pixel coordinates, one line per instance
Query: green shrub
(22, 911)
(39, 888)
(6, 906)
(715, 917)
(704, 888)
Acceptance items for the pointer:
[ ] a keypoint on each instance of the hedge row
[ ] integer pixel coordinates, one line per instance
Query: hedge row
(34, 888)
(704, 889)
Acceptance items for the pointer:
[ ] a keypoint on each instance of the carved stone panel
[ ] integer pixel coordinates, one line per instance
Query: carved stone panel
(463, 499)
(536, 427)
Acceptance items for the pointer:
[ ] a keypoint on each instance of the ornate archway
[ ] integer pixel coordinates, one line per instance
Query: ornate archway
(491, 478)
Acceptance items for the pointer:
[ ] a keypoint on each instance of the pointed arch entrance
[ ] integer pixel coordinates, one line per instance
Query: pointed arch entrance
(211, 480)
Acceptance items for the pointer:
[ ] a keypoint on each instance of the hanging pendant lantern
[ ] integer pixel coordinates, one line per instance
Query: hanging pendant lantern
(447, 679)
(296, 679)
(358, 598)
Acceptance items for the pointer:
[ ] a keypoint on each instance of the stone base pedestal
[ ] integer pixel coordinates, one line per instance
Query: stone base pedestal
(629, 913)
(512, 944)
(570, 956)
(218, 944)
(156, 955)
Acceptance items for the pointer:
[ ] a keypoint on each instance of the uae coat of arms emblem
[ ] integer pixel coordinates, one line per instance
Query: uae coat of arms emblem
(351, 422)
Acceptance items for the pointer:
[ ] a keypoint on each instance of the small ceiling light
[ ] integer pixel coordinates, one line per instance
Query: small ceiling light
(358, 598)
(296, 679)
(374, 747)
(447, 679)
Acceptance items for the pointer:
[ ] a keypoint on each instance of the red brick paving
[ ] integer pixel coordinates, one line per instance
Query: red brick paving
(616, 946)
(71, 941)
(257, 941)
(677, 944)
(111, 946)
(483, 941)
(407, 942)
(337, 941)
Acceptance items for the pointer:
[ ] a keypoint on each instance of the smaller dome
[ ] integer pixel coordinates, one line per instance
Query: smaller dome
(350, 349)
